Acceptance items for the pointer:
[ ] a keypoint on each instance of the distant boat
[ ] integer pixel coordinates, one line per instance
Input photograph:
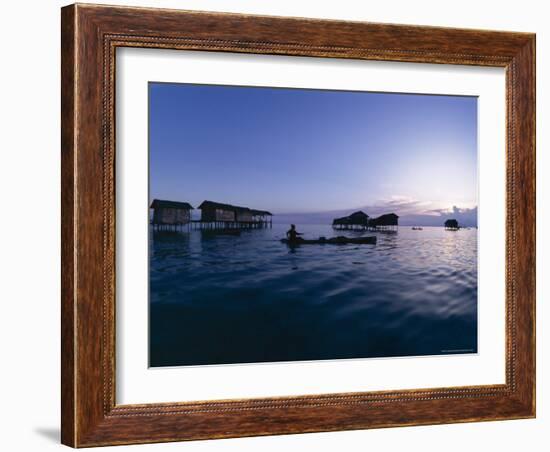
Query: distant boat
(340, 240)
(417, 228)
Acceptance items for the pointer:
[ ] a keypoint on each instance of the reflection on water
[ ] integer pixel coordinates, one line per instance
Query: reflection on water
(217, 299)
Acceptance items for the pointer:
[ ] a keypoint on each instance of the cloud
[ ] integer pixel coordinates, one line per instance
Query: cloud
(401, 205)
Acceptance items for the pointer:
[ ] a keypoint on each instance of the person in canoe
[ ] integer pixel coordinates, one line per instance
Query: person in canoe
(293, 235)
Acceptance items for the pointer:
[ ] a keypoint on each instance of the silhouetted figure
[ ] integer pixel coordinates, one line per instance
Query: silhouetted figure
(292, 234)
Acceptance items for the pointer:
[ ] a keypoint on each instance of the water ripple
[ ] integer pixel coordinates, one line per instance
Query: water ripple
(249, 298)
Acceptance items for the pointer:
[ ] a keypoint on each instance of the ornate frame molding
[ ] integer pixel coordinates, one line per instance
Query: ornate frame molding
(90, 37)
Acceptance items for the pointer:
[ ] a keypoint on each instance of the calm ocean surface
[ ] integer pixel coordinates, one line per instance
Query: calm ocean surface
(218, 299)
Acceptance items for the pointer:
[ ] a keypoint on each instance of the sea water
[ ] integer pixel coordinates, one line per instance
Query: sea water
(221, 299)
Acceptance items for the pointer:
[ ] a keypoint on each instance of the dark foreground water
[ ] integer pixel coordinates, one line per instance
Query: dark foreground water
(218, 299)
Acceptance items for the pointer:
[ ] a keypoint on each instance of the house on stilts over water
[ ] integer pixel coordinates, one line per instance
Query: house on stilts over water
(360, 221)
(356, 221)
(452, 225)
(170, 215)
(386, 222)
(217, 215)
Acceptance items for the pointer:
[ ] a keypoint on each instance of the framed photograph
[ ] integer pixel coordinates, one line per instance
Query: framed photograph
(280, 225)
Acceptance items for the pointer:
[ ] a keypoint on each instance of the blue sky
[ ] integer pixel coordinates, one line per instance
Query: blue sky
(295, 151)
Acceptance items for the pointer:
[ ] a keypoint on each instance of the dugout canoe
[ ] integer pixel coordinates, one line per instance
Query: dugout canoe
(333, 241)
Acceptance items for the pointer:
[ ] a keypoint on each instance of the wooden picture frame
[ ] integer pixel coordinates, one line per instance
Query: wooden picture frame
(90, 36)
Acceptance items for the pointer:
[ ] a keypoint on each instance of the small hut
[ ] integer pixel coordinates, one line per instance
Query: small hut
(220, 215)
(451, 225)
(357, 220)
(386, 222)
(215, 211)
(170, 213)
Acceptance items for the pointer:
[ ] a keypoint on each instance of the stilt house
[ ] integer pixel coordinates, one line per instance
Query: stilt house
(171, 212)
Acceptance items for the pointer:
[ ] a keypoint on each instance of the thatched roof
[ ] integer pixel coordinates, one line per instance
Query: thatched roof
(260, 212)
(160, 203)
(451, 223)
(359, 217)
(388, 219)
(220, 205)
